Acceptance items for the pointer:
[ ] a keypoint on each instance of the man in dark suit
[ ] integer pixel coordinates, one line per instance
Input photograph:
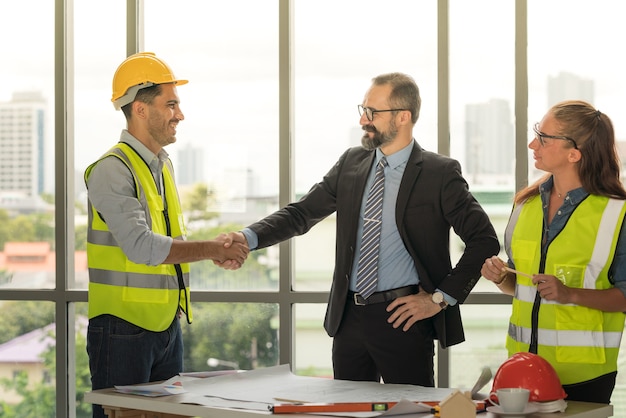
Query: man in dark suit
(417, 292)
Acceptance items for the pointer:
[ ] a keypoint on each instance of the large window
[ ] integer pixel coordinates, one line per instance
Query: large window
(27, 147)
(98, 49)
(27, 226)
(270, 105)
(227, 146)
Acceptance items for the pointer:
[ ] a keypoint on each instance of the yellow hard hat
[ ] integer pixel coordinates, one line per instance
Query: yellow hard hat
(138, 71)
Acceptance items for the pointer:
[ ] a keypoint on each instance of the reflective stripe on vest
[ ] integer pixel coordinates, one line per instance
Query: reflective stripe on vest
(580, 343)
(568, 338)
(148, 296)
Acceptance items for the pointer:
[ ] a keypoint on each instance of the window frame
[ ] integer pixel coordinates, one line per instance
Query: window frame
(64, 296)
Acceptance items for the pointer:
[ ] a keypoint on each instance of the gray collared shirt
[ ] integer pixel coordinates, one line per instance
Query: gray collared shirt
(111, 189)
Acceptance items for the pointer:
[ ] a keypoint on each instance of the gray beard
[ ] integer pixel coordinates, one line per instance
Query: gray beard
(378, 140)
(370, 144)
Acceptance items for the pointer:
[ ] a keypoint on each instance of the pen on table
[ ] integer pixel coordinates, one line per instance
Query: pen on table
(289, 400)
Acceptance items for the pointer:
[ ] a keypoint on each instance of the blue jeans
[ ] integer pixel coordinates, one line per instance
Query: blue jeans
(121, 353)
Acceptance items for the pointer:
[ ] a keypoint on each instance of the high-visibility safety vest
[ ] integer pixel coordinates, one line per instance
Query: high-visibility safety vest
(579, 342)
(147, 296)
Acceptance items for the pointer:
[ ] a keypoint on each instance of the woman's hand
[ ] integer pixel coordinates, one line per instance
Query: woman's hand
(494, 270)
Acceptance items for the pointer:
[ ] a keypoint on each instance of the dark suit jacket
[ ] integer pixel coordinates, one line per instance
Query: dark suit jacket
(433, 197)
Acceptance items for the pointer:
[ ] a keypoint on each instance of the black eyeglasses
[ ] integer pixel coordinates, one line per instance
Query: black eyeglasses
(369, 112)
(540, 136)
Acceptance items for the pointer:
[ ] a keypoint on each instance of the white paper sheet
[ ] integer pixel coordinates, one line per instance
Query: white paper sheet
(173, 386)
(260, 389)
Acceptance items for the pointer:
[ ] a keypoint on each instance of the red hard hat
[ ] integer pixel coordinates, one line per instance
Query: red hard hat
(532, 372)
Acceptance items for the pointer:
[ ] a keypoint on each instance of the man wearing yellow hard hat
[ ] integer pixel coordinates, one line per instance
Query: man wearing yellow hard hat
(137, 251)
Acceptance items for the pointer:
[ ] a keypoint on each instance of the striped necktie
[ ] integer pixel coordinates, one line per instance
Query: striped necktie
(367, 270)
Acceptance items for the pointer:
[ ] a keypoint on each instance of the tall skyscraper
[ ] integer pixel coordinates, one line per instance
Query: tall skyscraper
(568, 86)
(22, 127)
(190, 165)
(489, 142)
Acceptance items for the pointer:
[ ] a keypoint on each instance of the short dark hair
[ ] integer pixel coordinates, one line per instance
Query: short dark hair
(146, 95)
(404, 92)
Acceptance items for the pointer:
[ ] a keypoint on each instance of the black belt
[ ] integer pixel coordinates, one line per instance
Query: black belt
(386, 296)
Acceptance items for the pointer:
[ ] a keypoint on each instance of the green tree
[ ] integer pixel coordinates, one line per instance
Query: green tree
(80, 237)
(37, 401)
(237, 332)
(25, 316)
(47, 197)
(196, 203)
(21, 229)
(43, 227)
(5, 232)
(5, 276)
(26, 228)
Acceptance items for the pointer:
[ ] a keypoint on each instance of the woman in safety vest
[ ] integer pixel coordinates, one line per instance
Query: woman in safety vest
(566, 253)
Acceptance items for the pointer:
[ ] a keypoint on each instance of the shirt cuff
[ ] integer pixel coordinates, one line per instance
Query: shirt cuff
(449, 299)
(162, 245)
(251, 237)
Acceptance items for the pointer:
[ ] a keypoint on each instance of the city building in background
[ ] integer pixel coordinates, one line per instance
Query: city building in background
(566, 86)
(189, 163)
(489, 143)
(489, 131)
(22, 152)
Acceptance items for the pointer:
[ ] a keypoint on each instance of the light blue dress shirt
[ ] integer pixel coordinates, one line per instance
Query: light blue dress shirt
(395, 265)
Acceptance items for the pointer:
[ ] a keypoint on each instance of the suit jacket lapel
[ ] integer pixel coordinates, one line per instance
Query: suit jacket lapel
(407, 187)
(361, 171)
(411, 172)
(360, 179)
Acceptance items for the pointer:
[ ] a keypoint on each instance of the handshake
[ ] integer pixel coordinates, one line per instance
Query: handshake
(234, 252)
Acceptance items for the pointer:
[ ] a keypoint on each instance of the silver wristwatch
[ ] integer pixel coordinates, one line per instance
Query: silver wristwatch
(437, 298)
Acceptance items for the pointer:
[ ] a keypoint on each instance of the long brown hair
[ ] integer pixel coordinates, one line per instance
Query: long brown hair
(592, 130)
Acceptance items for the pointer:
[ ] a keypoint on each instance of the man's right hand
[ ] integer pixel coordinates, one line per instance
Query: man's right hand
(233, 243)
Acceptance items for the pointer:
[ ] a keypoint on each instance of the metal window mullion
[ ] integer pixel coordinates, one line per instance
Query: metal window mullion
(521, 94)
(286, 328)
(65, 349)
(135, 27)
(443, 137)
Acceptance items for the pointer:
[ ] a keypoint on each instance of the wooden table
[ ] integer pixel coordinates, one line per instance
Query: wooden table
(119, 405)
